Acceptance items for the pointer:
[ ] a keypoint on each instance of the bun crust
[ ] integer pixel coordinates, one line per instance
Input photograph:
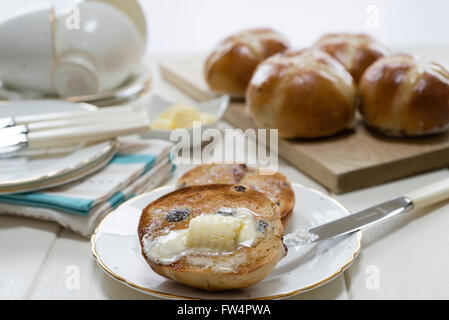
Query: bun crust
(403, 95)
(249, 264)
(303, 94)
(232, 62)
(355, 51)
(275, 186)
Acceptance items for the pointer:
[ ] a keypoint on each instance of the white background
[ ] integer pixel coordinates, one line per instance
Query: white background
(196, 25)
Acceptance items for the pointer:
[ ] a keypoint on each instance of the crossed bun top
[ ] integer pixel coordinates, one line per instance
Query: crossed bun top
(355, 51)
(405, 95)
(302, 93)
(229, 67)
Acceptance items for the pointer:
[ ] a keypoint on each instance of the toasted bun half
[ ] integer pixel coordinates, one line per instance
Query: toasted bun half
(275, 186)
(242, 267)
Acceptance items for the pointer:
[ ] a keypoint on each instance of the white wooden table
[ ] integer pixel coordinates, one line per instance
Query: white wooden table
(406, 258)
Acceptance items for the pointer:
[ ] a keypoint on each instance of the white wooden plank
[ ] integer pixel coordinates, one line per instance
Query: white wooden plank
(24, 244)
(334, 290)
(405, 258)
(71, 260)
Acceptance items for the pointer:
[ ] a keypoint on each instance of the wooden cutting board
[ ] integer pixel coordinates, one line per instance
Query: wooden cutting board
(346, 162)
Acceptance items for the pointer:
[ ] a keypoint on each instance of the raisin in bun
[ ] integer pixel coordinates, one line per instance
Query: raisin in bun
(355, 51)
(275, 185)
(404, 95)
(303, 94)
(193, 236)
(229, 67)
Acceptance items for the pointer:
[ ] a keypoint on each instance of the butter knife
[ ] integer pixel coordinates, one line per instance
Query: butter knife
(419, 198)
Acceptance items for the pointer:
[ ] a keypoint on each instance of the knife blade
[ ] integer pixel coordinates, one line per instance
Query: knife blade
(351, 223)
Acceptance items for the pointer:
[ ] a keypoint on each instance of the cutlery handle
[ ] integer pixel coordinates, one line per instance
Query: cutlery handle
(86, 133)
(110, 118)
(27, 119)
(430, 194)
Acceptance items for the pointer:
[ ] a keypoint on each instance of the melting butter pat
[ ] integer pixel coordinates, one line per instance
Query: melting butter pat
(167, 248)
(214, 232)
(181, 115)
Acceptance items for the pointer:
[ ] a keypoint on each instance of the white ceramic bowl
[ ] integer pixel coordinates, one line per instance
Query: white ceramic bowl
(101, 54)
(157, 105)
(26, 55)
(134, 12)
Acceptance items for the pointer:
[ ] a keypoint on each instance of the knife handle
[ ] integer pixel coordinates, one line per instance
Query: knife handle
(95, 118)
(83, 114)
(430, 194)
(86, 133)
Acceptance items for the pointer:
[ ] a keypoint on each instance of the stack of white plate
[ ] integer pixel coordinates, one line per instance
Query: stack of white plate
(29, 172)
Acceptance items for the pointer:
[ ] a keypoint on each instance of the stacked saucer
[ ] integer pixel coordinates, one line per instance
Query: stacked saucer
(30, 171)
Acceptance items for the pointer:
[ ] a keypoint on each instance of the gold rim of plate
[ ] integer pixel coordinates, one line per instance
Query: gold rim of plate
(277, 296)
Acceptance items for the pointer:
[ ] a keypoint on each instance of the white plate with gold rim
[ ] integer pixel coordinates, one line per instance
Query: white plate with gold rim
(115, 245)
(34, 172)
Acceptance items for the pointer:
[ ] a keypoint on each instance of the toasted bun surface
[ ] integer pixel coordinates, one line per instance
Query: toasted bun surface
(303, 94)
(244, 266)
(403, 95)
(355, 51)
(229, 67)
(275, 185)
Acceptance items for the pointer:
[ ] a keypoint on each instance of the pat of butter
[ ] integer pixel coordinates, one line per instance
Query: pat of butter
(214, 232)
(181, 116)
(162, 124)
(184, 116)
